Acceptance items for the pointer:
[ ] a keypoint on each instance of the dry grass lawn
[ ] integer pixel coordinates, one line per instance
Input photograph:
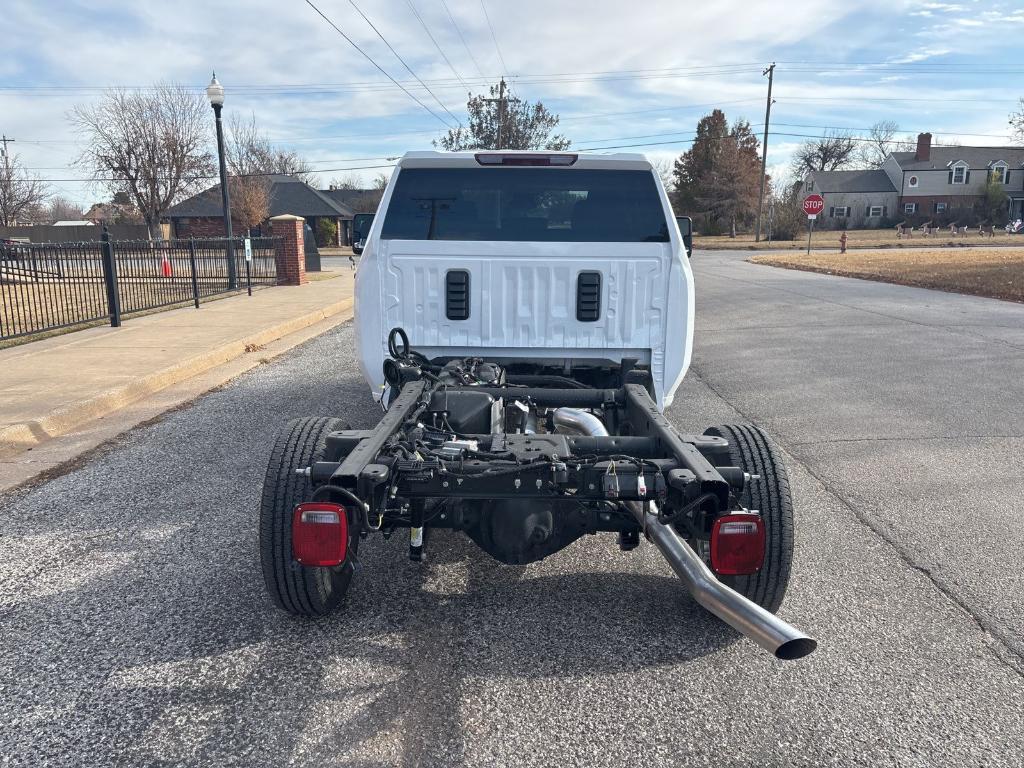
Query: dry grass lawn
(994, 272)
(856, 238)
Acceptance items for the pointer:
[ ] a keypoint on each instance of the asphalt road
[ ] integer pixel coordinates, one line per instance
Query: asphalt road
(134, 628)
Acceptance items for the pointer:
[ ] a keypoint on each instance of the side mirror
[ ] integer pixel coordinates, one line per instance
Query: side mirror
(357, 249)
(686, 230)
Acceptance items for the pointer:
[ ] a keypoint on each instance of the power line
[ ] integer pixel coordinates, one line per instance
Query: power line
(462, 38)
(672, 142)
(690, 70)
(694, 69)
(233, 176)
(436, 44)
(573, 118)
(890, 98)
(375, 64)
(645, 136)
(306, 90)
(504, 69)
(934, 133)
(390, 48)
(310, 162)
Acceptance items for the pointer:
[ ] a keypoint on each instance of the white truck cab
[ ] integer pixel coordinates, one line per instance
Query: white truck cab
(561, 260)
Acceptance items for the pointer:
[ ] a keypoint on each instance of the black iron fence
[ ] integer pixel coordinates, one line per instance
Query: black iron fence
(46, 286)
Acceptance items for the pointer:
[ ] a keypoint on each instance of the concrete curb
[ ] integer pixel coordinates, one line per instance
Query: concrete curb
(16, 438)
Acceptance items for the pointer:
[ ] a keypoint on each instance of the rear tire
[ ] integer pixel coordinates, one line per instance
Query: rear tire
(298, 589)
(752, 451)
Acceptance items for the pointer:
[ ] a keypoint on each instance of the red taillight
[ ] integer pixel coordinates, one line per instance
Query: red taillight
(499, 158)
(319, 534)
(737, 544)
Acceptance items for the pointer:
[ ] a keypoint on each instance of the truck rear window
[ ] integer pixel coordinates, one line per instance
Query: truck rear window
(525, 204)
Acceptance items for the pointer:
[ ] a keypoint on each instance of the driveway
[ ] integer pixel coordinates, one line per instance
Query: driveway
(134, 628)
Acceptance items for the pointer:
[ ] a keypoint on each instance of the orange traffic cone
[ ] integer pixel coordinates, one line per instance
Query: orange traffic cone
(165, 266)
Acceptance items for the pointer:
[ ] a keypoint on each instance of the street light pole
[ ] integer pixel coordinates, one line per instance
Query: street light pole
(215, 93)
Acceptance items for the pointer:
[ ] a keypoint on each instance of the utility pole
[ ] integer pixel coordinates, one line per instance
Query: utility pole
(4, 141)
(501, 111)
(764, 149)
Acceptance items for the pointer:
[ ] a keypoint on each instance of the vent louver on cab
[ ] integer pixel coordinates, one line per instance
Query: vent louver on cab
(456, 294)
(588, 297)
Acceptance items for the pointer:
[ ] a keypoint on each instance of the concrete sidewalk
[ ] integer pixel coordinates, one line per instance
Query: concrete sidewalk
(53, 386)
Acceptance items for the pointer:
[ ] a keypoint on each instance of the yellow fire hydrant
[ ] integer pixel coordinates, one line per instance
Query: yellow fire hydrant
(842, 243)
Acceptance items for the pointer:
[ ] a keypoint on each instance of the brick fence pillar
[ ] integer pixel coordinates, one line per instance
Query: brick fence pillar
(291, 252)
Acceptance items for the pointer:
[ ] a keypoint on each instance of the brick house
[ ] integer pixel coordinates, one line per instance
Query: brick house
(928, 183)
(933, 180)
(854, 199)
(203, 215)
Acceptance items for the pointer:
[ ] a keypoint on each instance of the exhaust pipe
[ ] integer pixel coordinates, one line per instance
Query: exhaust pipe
(745, 616)
(576, 421)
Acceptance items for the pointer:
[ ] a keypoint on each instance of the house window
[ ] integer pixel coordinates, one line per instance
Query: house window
(840, 211)
(999, 173)
(959, 174)
(874, 211)
(912, 181)
(940, 207)
(910, 208)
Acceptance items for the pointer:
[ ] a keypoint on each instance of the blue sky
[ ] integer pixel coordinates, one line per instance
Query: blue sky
(638, 73)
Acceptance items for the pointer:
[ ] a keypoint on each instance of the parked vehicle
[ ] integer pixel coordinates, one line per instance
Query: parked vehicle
(551, 307)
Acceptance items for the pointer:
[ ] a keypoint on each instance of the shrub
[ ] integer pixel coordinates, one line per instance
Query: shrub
(326, 233)
(789, 220)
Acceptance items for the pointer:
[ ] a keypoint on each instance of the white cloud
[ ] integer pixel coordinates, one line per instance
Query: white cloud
(272, 43)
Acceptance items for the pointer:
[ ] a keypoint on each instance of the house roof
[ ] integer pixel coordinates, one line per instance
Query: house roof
(852, 181)
(287, 195)
(941, 158)
(356, 200)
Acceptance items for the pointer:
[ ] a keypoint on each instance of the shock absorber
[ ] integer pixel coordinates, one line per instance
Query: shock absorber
(416, 530)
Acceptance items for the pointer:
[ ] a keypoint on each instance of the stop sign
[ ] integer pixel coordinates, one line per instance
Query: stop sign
(814, 204)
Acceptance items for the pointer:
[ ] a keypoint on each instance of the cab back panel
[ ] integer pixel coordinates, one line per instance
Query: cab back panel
(519, 301)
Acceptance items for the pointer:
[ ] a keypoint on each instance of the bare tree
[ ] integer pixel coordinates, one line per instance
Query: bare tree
(293, 164)
(62, 209)
(881, 140)
(151, 144)
(249, 152)
(1017, 123)
(251, 160)
(21, 194)
(250, 200)
(371, 199)
(520, 125)
(832, 152)
(665, 169)
(349, 181)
